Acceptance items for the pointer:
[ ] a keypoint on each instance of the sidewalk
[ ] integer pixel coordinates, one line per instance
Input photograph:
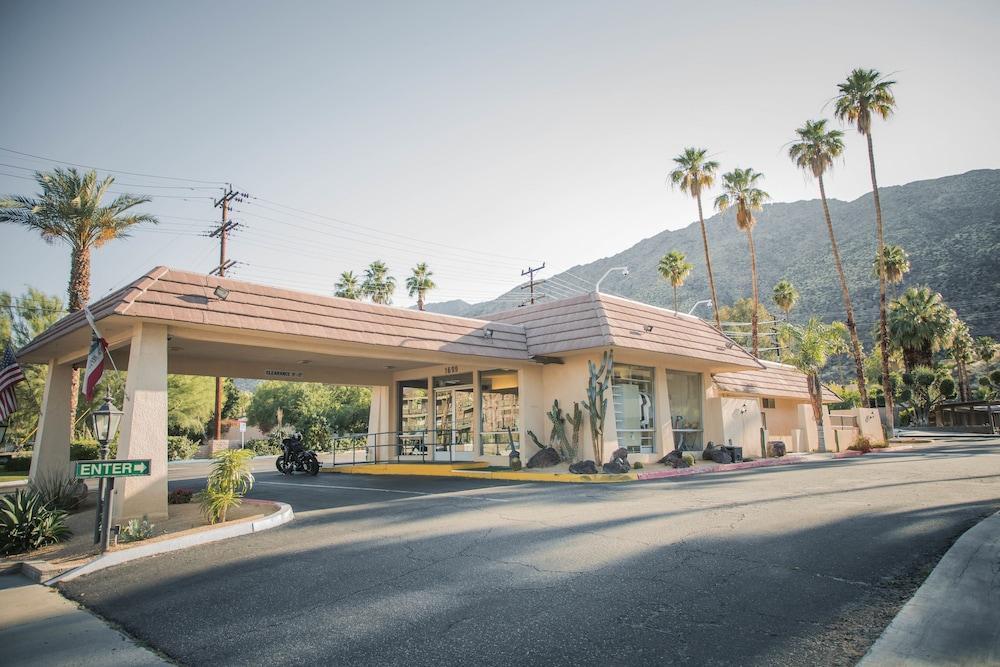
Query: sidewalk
(954, 617)
(38, 626)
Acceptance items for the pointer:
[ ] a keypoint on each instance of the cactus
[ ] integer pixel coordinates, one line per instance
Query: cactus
(557, 438)
(596, 404)
(575, 430)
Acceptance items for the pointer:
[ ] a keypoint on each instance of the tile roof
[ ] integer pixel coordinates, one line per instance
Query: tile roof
(598, 320)
(180, 296)
(774, 380)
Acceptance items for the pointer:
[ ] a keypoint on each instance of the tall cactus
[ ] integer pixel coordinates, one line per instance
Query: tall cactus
(557, 438)
(575, 424)
(596, 404)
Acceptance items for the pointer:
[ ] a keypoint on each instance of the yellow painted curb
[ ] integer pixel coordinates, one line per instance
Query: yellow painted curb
(469, 471)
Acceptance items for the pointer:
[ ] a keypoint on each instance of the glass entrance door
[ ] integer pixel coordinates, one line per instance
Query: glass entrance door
(453, 413)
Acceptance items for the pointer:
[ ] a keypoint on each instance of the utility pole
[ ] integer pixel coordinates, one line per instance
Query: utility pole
(222, 232)
(530, 272)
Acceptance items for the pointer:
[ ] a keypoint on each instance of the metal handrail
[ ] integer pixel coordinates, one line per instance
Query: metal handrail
(424, 439)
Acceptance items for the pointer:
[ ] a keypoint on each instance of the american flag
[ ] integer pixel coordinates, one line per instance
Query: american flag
(10, 375)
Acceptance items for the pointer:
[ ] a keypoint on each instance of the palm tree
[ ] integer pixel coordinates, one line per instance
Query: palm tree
(809, 348)
(378, 284)
(986, 349)
(895, 263)
(70, 209)
(675, 268)
(814, 152)
(963, 352)
(419, 283)
(348, 286)
(919, 322)
(740, 191)
(692, 174)
(785, 296)
(864, 93)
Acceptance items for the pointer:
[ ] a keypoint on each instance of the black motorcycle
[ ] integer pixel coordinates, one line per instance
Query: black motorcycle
(296, 458)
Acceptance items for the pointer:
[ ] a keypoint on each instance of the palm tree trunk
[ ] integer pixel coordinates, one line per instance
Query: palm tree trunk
(816, 397)
(675, 299)
(420, 300)
(708, 265)
(852, 327)
(754, 342)
(883, 327)
(78, 296)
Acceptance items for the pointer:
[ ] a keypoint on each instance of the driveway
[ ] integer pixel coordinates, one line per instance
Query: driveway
(802, 564)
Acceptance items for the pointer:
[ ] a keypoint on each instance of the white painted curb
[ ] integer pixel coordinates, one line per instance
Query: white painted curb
(282, 515)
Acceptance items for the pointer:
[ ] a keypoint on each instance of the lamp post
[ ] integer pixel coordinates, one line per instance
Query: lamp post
(624, 272)
(104, 421)
(3, 433)
(707, 302)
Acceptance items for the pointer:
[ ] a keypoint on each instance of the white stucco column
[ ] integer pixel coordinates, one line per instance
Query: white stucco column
(51, 455)
(378, 423)
(144, 426)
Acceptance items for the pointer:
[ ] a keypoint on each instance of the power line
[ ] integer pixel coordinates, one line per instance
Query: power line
(117, 171)
(530, 272)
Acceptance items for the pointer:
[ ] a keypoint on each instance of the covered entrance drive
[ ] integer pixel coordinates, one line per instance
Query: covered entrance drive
(176, 322)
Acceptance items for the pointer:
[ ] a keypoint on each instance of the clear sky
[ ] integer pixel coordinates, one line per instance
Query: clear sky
(477, 136)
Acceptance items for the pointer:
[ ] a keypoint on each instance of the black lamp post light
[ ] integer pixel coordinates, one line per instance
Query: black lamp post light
(3, 433)
(104, 421)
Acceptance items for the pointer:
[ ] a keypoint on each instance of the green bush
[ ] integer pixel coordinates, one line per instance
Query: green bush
(60, 491)
(26, 523)
(179, 447)
(688, 458)
(18, 463)
(90, 450)
(136, 530)
(229, 481)
(263, 447)
(180, 496)
(638, 465)
(863, 444)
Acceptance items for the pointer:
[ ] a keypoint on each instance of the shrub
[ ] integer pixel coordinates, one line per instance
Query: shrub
(229, 481)
(263, 447)
(863, 444)
(60, 491)
(90, 450)
(688, 458)
(180, 447)
(18, 464)
(136, 530)
(637, 465)
(180, 496)
(26, 523)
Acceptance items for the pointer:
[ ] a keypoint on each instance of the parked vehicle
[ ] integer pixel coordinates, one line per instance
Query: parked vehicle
(295, 457)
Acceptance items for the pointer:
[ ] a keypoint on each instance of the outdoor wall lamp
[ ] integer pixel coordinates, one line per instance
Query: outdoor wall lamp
(221, 293)
(624, 272)
(488, 333)
(648, 328)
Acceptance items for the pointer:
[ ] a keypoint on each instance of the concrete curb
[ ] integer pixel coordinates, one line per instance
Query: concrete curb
(13, 485)
(954, 617)
(721, 467)
(282, 515)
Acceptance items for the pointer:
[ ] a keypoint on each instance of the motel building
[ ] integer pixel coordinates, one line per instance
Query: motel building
(444, 388)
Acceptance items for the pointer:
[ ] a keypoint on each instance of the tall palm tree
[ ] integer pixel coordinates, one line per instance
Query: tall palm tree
(919, 323)
(693, 174)
(70, 209)
(895, 264)
(740, 191)
(419, 283)
(785, 296)
(348, 286)
(675, 268)
(809, 349)
(865, 93)
(814, 152)
(963, 353)
(378, 284)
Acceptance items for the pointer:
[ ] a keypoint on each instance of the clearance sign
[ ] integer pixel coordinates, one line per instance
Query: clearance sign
(112, 468)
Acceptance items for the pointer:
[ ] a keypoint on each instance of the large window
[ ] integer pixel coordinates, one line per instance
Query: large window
(413, 406)
(498, 411)
(634, 420)
(685, 394)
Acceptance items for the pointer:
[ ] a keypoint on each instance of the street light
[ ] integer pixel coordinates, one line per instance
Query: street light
(623, 269)
(105, 421)
(695, 306)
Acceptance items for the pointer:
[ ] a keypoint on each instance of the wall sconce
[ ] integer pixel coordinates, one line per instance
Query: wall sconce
(488, 333)
(221, 293)
(648, 328)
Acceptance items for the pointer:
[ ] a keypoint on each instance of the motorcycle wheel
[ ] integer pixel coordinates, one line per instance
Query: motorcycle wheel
(283, 467)
(312, 467)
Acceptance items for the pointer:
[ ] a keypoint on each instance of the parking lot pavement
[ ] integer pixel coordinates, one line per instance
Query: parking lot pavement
(802, 564)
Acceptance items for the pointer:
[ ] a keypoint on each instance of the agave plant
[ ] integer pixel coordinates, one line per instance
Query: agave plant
(27, 523)
(60, 491)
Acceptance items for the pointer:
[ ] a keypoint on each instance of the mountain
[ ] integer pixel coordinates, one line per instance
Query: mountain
(949, 226)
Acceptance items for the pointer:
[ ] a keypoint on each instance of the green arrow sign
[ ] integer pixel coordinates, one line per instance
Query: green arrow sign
(112, 468)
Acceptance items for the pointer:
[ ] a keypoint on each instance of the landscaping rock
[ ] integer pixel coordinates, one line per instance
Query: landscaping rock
(587, 467)
(709, 452)
(616, 466)
(721, 455)
(675, 459)
(776, 448)
(544, 458)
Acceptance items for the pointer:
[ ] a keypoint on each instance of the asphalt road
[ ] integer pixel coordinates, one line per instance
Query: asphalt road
(795, 565)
